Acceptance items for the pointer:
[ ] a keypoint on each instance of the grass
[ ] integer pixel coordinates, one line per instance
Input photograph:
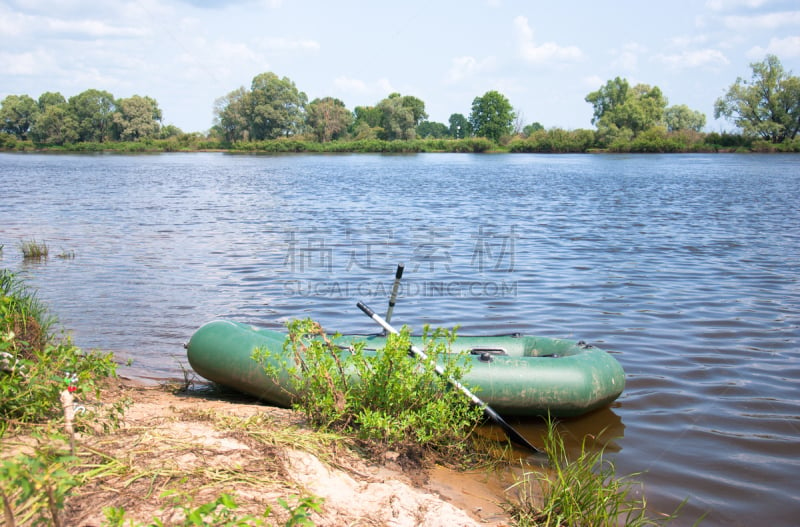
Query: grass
(34, 363)
(25, 323)
(34, 250)
(580, 492)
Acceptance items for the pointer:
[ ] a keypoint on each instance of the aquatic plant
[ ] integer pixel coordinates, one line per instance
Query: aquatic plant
(33, 250)
(579, 492)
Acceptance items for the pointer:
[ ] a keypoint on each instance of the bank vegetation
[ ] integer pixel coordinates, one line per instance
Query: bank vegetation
(274, 116)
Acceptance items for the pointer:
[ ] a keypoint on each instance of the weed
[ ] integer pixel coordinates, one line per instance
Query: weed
(382, 397)
(33, 487)
(33, 250)
(221, 512)
(583, 491)
(22, 314)
(33, 365)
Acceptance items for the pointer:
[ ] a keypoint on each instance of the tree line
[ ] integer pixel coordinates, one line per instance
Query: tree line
(91, 116)
(634, 118)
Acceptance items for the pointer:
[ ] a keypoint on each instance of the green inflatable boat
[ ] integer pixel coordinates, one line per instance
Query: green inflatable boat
(516, 375)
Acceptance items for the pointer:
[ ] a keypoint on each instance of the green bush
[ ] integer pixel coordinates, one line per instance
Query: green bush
(34, 366)
(554, 141)
(384, 397)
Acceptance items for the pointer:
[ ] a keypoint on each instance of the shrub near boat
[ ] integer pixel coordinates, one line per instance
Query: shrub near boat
(516, 375)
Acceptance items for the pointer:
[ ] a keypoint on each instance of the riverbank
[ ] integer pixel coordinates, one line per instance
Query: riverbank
(176, 447)
(554, 141)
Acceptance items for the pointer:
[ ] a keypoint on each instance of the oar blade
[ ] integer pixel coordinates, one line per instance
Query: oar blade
(512, 434)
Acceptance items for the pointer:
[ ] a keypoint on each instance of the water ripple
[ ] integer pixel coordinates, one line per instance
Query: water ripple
(683, 266)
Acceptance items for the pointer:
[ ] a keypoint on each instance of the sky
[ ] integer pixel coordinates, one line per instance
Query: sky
(544, 56)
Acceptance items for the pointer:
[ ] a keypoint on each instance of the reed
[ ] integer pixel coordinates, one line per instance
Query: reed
(22, 313)
(578, 492)
(33, 250)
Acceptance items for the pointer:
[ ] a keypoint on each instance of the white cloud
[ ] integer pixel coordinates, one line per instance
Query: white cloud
(694, 59)
(684, 41)
(547, 52)
(92, 29)
(782, 47)
(465, 67)
(285, 44)
(28, 63)
(12, 24)
(222, 4)
(765, 21)
(593, 81)
(72, 25)
(346, 84)
(628, 57)
(722, 5)
(359, 87)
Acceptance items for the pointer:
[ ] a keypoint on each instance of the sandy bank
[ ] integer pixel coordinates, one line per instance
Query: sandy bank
(198, 446)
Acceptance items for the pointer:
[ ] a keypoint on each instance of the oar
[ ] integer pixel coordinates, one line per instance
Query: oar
(397, 276)
(494, 416)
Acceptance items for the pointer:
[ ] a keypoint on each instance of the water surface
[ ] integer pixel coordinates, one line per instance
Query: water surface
(685, 267)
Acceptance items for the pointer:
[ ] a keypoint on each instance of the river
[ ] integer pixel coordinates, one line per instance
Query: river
(683, 266)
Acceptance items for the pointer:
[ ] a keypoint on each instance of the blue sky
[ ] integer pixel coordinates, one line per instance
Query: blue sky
(545, 56)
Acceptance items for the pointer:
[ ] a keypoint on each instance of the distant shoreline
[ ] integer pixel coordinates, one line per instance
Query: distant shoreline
(539, 145)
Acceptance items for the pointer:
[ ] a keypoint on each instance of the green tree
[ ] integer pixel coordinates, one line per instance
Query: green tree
(276, 107)
(136, 118)
(328, 118)
(51, 99)
(17, 114)
(768, 105)
(369, 115)
(681, 117)
(367, 122)
(460, 126)
(170, 130)
(54, 126)
(231, 116)
(93, 112)
(432, 129)
(400, 115)
(492, 116)
(532, 128)
(619, 107)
